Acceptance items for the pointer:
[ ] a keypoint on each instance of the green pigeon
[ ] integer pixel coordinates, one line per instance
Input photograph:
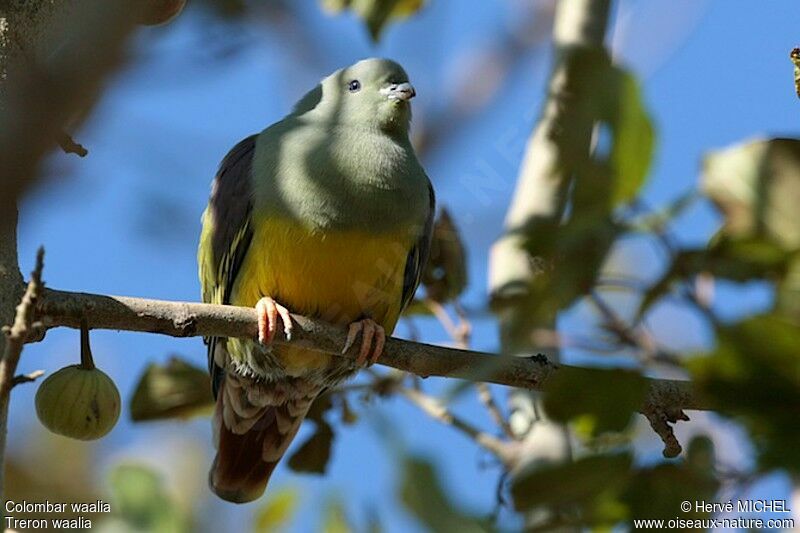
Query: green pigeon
(327, 213)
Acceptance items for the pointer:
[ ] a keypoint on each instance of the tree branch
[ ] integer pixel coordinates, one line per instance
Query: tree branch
(16, 335)
(183, 319)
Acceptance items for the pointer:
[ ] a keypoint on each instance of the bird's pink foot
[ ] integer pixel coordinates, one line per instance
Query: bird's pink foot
(370, 331)
(268, 312)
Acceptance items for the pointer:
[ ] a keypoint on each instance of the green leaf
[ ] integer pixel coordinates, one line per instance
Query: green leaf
(422, 494)
(568, 257)
(634, 138)
(142, 503)
(754, 376)
(335, 519)
(588, 485)
(314, 454)
(601, 399)
(701, 455)
(756, 186)
(571, 256)
(657, 492)
(277, 511)
(608, 95)
(377, 14)
(175, 390)
(788, 291)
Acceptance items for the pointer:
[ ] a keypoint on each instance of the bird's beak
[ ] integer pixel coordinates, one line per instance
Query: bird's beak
(399, 91)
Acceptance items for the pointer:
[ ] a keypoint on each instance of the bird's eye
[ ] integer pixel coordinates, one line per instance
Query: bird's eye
(354, 86)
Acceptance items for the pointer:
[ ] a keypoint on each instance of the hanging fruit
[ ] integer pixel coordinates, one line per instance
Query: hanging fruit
(79, 401)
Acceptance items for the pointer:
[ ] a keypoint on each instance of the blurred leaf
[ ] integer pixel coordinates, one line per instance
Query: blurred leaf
(701, 455)
(377, 14)
(603, 399)
(588, 485)
(610, 96)
(657, 492)
(445, 275)
(319, 407)
(349, 417)
(788, 291)
(754, 376)
(756, 185)
(739, 260)
(571, 256)
(634, 138)
(277, 511)
(175, 390)
(568, 256)
(422, 494)
(314, 454)
(335, 519)
(141, 503)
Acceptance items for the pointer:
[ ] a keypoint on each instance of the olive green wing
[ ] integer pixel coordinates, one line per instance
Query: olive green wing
(418, 255)
(225, 237)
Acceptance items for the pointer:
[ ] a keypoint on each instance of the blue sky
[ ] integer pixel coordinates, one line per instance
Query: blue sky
(125, 220)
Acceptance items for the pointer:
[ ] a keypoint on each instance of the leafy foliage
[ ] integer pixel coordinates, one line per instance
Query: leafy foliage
(754, 376)
(377, 14)
(608, 489)
(423, 495)
(604, 94)
(313, 455)
(175, 390)
(277, 511)
(756, 186)
(606, 401)
(585, 490)
(657, 491)
(141, 502)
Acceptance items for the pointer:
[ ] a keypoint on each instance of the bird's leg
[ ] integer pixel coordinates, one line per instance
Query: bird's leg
(369, 330)
(268, 312)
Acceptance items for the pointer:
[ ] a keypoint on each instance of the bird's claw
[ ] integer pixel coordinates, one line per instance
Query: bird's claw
(268, 312)
(369, 330)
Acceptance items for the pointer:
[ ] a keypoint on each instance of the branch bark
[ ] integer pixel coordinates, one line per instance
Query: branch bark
(16, 336)
(184, 319)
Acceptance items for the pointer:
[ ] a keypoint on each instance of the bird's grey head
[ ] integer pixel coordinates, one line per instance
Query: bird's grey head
(373, 93)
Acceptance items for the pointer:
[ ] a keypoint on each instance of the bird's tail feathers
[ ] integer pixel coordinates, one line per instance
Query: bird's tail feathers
(254, 423)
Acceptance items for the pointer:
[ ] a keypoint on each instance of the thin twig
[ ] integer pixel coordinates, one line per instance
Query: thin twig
(27, 378)
(504, 450)
(16, 336)
(637, 338)
(460, 333)
(485, 395)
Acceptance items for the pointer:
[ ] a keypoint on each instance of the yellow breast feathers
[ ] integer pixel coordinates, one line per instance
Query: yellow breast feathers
(338, 276)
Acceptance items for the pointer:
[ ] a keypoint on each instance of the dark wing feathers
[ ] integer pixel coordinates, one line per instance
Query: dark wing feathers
(231, 205)
(418, 255)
